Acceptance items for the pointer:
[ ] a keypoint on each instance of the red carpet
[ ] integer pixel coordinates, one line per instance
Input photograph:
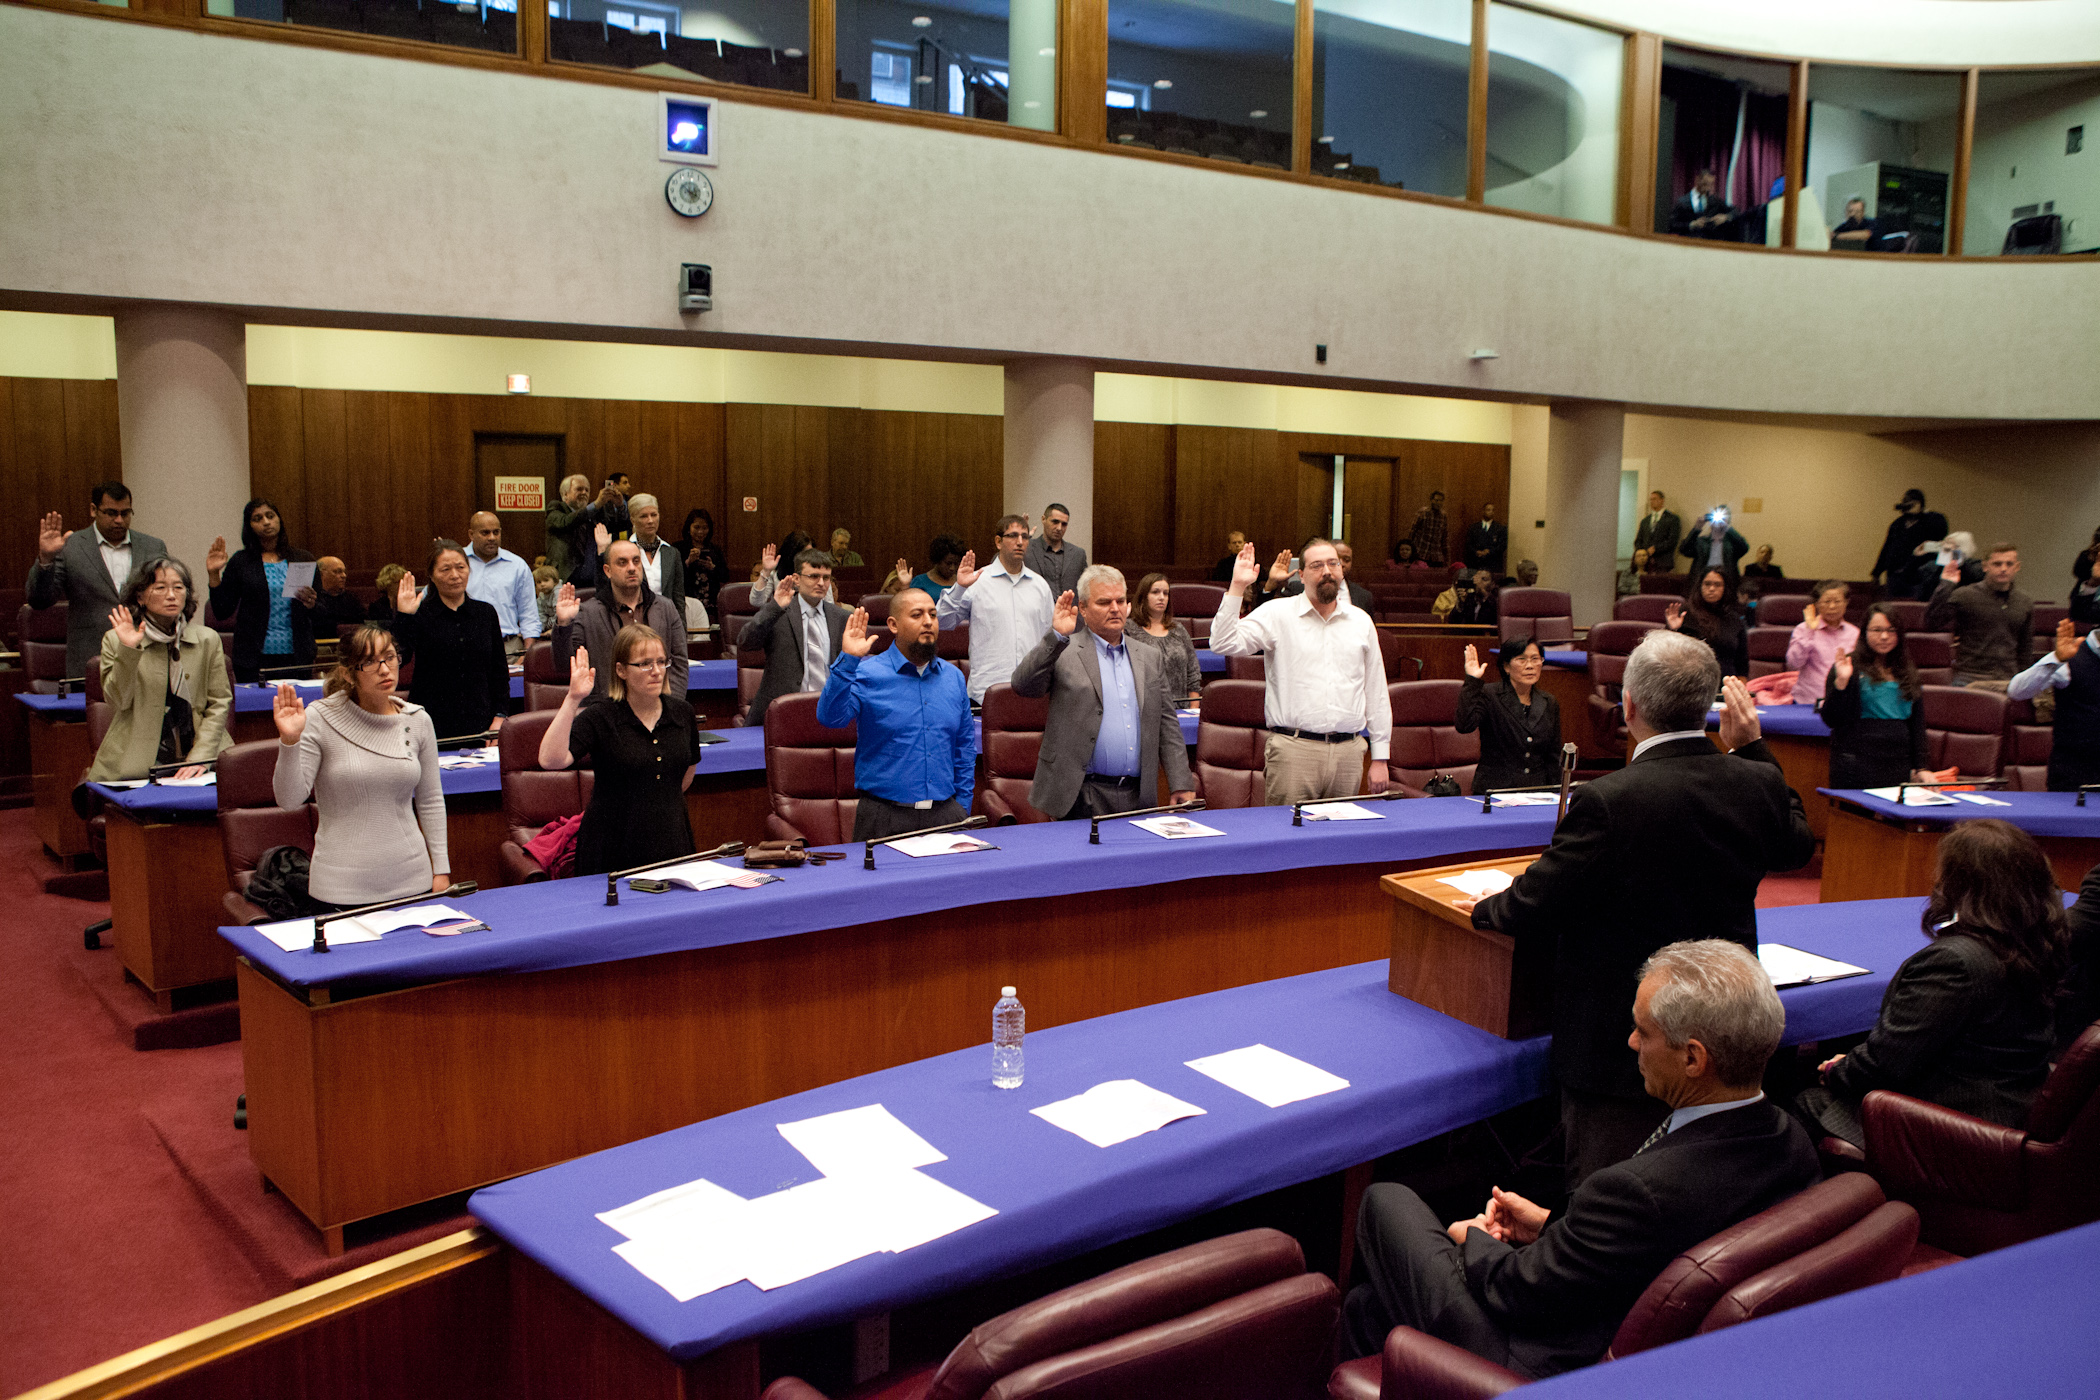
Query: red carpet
(132, 1210)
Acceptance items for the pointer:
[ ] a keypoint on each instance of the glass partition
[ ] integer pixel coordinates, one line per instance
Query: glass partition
(490, 27)
(1720, 148)
(2034, 187)
(988, 59)
(759, 43)
(1553, 115)
(1389, 92)
(1204, 77)
(1881, 157)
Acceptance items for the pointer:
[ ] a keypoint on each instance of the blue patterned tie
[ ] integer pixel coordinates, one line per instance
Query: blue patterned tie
(1662, 1130)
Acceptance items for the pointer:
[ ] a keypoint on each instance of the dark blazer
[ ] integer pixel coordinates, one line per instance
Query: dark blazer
(1728, 635)
(76, 578)
(1519, 746)
(243, 598)
(1487, 545)
(673, 575)
(1660, 539)
(1069, 672)
(462, 675)
(1953, 1032)
(1696, 548)
(1682, 214)
(1870, 752)
(1563, 1296)
(782, 644)
(1671, 846)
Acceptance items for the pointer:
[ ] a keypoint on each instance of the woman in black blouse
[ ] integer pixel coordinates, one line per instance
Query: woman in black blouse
(641, 745)
(1968, 1022)
(1709, 613)
(1519, 724)
(462, 676)
(706, 566)
(270, 631)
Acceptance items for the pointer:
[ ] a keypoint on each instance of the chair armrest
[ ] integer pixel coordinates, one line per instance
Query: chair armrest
(519, 868)
(992, 805)
(1356, 1380)
(1417, 1364)
(779, 828)
(1921, 1149)
(240, 911)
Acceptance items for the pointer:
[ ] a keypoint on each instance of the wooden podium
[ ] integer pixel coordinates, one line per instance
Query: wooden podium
(1473, 975)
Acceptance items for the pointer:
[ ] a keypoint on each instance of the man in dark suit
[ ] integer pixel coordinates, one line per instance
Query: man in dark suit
(1542, 1294)
(1677, 839)
(1658, 533)
(798, 628)
(1702, 213)
(88, 569)
(1112, 721)
(1487, 542)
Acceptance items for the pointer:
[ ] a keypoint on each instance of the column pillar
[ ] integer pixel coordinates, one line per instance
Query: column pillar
(1584, 444)
(182, 423)
(1031, 64)
(1050, 442)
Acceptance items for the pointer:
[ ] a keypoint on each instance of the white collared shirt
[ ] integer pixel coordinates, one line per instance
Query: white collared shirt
(1325, 675)
(1007, 614)
(653, 566)
(2048, 673)
(1646, 744)
(1693, 1113)
(117, 559)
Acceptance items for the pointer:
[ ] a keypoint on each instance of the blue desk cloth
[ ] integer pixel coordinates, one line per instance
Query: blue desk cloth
(565, 923)
(2022, 1321)
(2036, 813)
(1568, 660)
(256, 699)
(1412, 1072)
(1209, 662)
(1783, 721)
(156, 801)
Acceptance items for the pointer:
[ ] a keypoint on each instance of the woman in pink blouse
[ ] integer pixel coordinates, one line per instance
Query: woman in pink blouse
(1817, 641)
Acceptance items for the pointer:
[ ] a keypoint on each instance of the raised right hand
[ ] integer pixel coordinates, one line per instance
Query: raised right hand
(565, 605)
(1244, 571)
(856, 641)
(1813, 618)
(51, 536)
(1952, 573)
(1841, 670)
(1064, 615)
(2066, 639)
(289, 711)
(966, 572)
(1673, 616)
(1474, 669)
(129, 633)
(215, 560)
(582, 680)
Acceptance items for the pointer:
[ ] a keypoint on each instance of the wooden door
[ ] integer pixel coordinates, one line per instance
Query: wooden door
(1367, 509)
(1315, 498)
(501, 454)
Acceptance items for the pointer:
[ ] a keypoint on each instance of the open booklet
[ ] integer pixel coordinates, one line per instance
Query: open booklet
(1790, 967)
(1478, 884)
(704, 875)
(946, 843)
(1912, 796)
(1176, 828)
(439, 919)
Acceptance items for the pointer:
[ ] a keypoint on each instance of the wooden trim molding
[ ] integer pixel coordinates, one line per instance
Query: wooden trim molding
(1477, 108)
(1640, 118)
(823, 50)
(1964, 147)
(1796, 152)
(1082, 71)
(1302, 90)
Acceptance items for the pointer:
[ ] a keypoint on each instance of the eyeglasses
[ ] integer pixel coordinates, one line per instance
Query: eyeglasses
(385, 661)
(1015, 535)
(656, 663)
(107, 514)
(1881, 631)
(175, 589)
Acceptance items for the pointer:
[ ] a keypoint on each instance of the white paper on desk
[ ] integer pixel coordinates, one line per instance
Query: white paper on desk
(1979, 799)
(1478, 884)
(125, 783)
(694, 1204)
(808, 1229)
(1912, 797)
(1176, 828)
(297, 577)
(296, 935)
(466, 758)
(415, 916)
(689, 1240)
(1527, 799)
(1116, 1111)
(1791, 967)
(1268, 1076)
(917, 1209)
(945, 844)
(201, 780)
(696, 874)
(860, 1140)
(1342, 812)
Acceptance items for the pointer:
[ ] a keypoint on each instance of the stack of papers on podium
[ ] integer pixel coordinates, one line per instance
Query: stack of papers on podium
(1342, 812)
(201, 780)
(1790, 967)
(1912, 796)
(1979, 799)
(1479, 884)
(698, 1237)
(1116, 1112)
(1176, 828)
(295, 934)
(1268, 1076)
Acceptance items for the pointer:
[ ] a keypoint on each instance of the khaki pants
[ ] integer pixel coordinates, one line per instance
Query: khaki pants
(1296, 770)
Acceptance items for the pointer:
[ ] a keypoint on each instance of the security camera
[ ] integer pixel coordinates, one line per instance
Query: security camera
(696, 287)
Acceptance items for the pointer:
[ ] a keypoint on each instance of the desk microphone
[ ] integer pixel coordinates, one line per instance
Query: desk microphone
(1093, 830)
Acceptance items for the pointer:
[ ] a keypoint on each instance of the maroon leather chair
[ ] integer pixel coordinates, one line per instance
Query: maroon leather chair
(1246, 668)
(1908, 612)
(954, 645)
(546, 680)
(2042, 623)
(1964, 729)
(251, 822)
(1236, 1318)
(2027, 748)
(1398, 665)
(1933, 654)
(878, 609)
(532, 796)
(43, 634)
(1543, 614)
(1641, 607)
(1768, 650)
(1610, 644)
(1232, 744)
(1836, 1236)
(1979, 1186)
(1671, 583)
(100, 715)
(748, 680)
(1195, 605)
(734, 608)
(1013, 737)
(1425, 743)
(809, 774)
(1781, 609)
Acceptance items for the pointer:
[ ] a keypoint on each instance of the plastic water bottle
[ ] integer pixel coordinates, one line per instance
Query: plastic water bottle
(1008, 1023)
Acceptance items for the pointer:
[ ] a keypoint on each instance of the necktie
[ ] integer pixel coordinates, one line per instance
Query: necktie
(1662, 1130)
(816, 644)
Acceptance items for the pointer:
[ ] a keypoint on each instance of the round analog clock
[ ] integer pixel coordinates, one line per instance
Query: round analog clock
(689, 192)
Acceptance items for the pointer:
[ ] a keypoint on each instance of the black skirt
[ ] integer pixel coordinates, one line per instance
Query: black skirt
(1871, 753)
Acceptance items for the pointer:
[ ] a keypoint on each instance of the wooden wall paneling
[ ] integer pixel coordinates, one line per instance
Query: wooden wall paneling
(1314, 476)
(582, 425)
(58, 437)
(407, 513)
(322, 509)
(1082, 71)
(448, 479)
(973, 484)
(700, 451)
(40, 453)
(779, 453)
(1134, 495)
(92, 449)
(1228, 479)
(1468, 473)
(368, 485)
(623, 444)
(1367, 504)
(276, 462)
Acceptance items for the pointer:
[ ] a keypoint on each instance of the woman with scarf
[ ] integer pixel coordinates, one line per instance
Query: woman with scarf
(165, 677)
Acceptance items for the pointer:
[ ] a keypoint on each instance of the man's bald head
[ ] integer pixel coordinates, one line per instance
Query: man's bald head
(334, 578)
(485, 531)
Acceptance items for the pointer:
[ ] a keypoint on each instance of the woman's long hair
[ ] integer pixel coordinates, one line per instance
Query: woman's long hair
(1897, 666)
(251, 541)
(1141, 609)
(1707, 621)
(1996, 886)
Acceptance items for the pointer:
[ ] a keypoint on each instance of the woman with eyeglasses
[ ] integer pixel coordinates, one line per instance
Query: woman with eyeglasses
(1875, 709)
(641, 744)
(165, 677)
(1519, 723)
(369, 759)
(462, 676)
(272, 634)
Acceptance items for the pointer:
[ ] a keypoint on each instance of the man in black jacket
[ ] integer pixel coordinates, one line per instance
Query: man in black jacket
(1676, 840)
(1487, 542)
(1657, 533)
(1543, 1295)
(1909, 573)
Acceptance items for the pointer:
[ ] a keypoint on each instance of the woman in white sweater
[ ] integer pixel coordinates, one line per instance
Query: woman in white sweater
(370, 760)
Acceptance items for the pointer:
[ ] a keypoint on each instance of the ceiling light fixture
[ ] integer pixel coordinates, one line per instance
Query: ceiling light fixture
(1258, 113)
(1162, 83)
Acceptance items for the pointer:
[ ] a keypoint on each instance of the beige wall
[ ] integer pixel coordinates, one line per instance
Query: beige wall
(306, 184)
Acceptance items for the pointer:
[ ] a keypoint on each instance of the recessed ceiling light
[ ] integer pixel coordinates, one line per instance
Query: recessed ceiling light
(1327, 140)
(1257, 114)
(1162, 83)
(1341, 165)
(921, 21)
(1031, 103)
(923, 78)
(792, 53)
(1046, 53)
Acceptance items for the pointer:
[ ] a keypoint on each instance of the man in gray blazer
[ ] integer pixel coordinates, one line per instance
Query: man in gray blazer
(798, 628)
(87, 569)
(1112, 722)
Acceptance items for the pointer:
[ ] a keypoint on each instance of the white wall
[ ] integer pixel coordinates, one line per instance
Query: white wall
(1954, 33)
(2019, 159)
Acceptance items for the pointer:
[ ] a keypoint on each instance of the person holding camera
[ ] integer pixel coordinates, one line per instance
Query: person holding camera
(1715, 545)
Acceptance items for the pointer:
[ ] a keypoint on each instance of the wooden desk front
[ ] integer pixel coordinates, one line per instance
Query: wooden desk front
(1473, 975)
(1870, 855)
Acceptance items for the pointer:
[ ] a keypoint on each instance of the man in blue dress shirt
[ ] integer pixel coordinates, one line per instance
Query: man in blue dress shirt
(915, 756)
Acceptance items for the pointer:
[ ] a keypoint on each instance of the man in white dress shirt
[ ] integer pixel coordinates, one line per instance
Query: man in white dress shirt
(1326, 680)
(1007, 607)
